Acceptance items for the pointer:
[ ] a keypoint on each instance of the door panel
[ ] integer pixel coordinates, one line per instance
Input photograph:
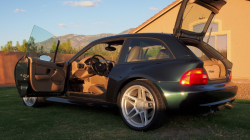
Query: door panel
(46, 76)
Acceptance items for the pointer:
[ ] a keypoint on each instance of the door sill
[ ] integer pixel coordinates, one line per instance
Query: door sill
(88, 95)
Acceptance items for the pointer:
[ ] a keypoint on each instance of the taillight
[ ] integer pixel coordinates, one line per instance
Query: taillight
(230, 76)
(194, 77)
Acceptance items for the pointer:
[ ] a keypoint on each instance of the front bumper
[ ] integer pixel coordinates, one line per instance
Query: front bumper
(178, 96)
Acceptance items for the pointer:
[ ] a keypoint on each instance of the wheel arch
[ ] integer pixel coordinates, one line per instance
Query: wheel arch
(124, 83)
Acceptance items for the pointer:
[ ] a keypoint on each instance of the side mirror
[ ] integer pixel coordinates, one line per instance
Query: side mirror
(45, 57)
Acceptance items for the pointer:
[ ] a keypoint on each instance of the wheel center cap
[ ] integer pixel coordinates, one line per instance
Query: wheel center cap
(140, 105)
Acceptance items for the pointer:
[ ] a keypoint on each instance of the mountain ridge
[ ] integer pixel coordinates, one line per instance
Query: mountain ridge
(83, 40)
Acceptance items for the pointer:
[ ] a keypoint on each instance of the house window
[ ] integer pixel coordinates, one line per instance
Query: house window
(199, 28)
(217, 39)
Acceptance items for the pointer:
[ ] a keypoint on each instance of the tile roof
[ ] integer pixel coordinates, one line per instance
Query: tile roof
(156, 16)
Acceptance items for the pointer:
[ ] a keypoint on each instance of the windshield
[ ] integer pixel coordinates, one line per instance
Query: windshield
(195, 17)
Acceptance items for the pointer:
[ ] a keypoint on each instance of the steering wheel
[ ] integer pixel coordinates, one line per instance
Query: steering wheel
(100, 68)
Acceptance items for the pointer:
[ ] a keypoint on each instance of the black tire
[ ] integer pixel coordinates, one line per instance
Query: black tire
(159, 116)
(34, 101)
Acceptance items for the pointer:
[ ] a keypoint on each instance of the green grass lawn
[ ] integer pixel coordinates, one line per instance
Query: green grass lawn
(63, 121)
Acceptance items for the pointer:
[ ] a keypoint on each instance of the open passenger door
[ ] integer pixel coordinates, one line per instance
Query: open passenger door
(194, 12)
(37, 73)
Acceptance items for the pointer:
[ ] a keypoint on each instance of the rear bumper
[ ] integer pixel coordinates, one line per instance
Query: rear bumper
(177, 96)
(218, 102)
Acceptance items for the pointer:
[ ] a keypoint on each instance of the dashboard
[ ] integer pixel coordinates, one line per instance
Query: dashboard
(82, 69)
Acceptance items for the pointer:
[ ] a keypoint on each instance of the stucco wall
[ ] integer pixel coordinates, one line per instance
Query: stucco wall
(233, 20)
(7, 65)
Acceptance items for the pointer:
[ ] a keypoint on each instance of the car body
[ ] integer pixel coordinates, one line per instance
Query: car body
(153, 72)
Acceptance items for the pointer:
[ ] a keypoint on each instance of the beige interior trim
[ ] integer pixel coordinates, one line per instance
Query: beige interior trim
(46, 76)
(42, 77)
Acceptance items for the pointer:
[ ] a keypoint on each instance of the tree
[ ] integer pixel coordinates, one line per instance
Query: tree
(7, 47)
(23, 48)
(3, 48)
(41, 50)
(53, 48)
(68, 47)
(17, 48)
(31, 45)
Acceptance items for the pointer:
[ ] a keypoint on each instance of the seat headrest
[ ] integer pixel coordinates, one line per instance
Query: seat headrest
(135, 54)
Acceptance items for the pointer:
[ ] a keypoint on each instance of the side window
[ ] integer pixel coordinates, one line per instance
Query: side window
(147, 49)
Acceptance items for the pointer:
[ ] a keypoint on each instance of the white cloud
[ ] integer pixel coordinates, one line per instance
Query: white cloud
(154, 9)
(62, 25)
(44, 5)
(80, 3)
(19, 10)
(78, 25)
(101, 23)
(71, 23)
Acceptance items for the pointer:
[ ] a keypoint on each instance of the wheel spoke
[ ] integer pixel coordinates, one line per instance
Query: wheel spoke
(131, 97)
(143, 92)
(146, 108)
(146, 116)
(139, 92)
(142, 118)
(133, 115)
(130, 112)
(133, 103)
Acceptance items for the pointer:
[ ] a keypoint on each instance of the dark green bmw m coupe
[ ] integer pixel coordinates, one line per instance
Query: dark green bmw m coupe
(144, 74)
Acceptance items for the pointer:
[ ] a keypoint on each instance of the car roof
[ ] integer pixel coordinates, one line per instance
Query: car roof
(123, 36)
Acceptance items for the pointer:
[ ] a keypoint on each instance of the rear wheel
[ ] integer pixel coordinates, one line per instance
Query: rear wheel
(34, 101)
(141, 106)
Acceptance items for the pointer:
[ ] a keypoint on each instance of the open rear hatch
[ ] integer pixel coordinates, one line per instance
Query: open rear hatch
(193, 11)
(192, 23)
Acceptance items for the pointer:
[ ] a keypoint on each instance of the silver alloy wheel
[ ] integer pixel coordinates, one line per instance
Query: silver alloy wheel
(29, 101)
(138, 106)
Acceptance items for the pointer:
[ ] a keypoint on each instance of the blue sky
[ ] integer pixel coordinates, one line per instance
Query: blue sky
(17, 17)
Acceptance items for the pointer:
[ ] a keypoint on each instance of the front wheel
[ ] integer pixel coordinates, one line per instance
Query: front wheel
(141, 106)
(33, 101)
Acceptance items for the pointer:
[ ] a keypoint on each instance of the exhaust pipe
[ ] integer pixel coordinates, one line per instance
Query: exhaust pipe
(212, 110)
(228, 105)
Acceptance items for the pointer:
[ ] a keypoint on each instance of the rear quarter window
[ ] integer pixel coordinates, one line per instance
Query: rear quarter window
(178, 48)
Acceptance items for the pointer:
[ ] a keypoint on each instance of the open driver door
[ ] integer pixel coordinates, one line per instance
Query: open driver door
(37, 73)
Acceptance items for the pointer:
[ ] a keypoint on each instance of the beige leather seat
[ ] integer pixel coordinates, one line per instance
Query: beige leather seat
(135, 54)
